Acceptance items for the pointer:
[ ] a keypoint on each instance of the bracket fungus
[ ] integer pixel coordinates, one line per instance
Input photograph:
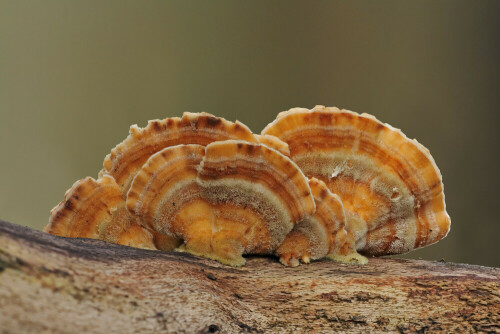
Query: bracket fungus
(320, 183)
(390, 186)
(96, 209)
(228, 199)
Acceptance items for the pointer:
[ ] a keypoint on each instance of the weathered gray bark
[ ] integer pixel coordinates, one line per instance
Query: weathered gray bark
(60, 285)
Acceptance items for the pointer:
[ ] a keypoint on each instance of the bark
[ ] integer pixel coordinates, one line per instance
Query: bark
(60, 285)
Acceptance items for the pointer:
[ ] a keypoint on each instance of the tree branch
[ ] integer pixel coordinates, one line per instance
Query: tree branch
(63, 285)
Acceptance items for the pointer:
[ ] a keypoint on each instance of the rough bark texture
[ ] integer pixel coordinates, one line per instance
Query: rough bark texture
(60, 285)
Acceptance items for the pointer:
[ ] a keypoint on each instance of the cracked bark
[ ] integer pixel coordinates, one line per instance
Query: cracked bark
(61, 285)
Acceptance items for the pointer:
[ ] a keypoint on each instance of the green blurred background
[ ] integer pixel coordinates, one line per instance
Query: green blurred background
(74, 75)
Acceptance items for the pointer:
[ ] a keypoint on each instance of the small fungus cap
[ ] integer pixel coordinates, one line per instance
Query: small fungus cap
(96, 209)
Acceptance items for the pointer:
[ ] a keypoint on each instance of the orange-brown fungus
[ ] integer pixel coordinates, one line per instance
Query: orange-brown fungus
(127, 158)
(322, 234)
(96, 209)
(390, 186)
(228, 199)
(208, 186)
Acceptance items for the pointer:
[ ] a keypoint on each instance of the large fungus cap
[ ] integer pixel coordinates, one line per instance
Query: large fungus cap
(225, 200)
(96, 209)
(390, 186)
(193, 128)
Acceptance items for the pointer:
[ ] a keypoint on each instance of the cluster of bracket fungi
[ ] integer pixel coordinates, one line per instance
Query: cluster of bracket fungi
(320, 183)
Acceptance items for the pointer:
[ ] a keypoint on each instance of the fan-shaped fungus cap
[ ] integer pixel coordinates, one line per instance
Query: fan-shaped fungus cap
(193, 128)
(96, 209)
(390, 186)
(322, 234)
(225, 200)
